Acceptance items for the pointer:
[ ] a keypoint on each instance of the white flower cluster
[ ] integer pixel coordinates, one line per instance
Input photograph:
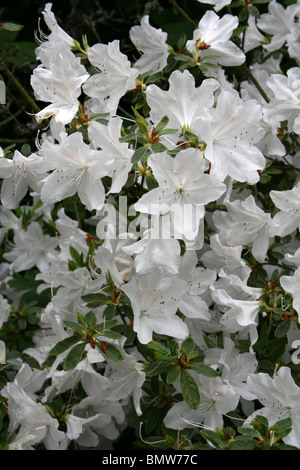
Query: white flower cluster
(204, 228)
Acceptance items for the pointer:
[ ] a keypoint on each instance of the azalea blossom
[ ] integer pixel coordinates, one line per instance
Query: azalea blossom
(59, 83)
(76, 169)
(125, 379)
(253, 37)
(231, 144)
(107, 139)
(28, 416)
(291, 284)
(217, 4)
(211, 41)
(56, 38)
(286, 102)
(154, 303)
(240, 304)
(183, 190)
(4, 310)
(152, 43)
(30, 248)
(246, 224)
(115, 77)
(280, 23)
(280, 399)
(233, 366)
(183, 103)
(217, 398)
(20, 173)
(288, 218)
(226, 258)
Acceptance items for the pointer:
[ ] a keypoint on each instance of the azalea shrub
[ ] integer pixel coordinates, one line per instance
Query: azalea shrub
(150, 258)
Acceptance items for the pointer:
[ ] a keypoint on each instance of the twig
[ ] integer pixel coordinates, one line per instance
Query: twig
(20, 88)
(183, 13)
(255, 82)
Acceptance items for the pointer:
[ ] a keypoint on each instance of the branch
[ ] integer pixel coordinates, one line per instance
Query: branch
(183, 13)
(22, 91)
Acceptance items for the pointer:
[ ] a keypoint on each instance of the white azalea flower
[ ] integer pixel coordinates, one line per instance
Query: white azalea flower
(231, 143)
(234, 367)
(154, 302)
(30, 249)
(125, 379)
(217, 4)
(4, 310)
(280, 23)
(74, 284)
(183, 190)
(151, 42)
(253, 37)
(151, 253)
(59, 84)
(212, 40)
(245, 223)
(26, 416)
(55, 39)
(183, 103)
(217, 399)
(286, 102)
(195, 300)
(20, 173)
(288, 218)
(107, 138)
(291, 284)
(227, 258)
(280, 399)
(77, 169)
(116, 75)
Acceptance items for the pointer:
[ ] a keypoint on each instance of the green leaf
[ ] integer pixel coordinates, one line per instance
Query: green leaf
(243, 14)
(213, 437)
(253, 11)
(158, 347)
(154, 78)
(151, 182)
(74, 326)
(173, 374)
(204, 369)
(11, 26)
(111, 351)
(161, 125)
(95, 300)
(78, 258)
(282, 329)
(141, 152)
(91, 319)
(168, 130)
(241, 443)
(26, 150)
(158, 147)
(81, 319)
(188, 345)
(74, 357)
(109, 312)
(63, 345)
(181, 41)
(282, 428)
(140, 120)
(190, 390)
(156, 368)
(111, 334)
(238, 31)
